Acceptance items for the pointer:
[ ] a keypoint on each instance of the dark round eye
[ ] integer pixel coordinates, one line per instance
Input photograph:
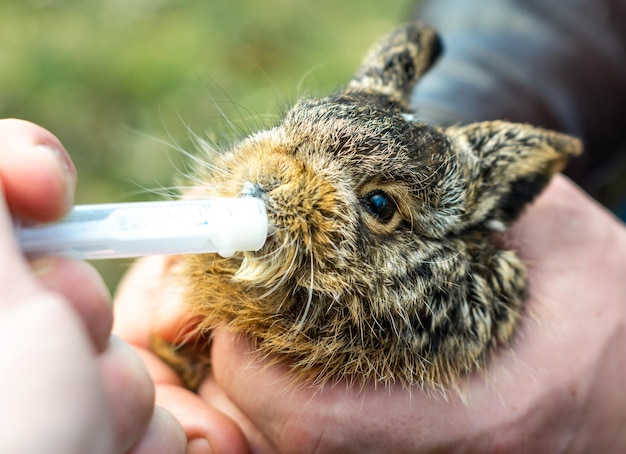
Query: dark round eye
(380, 205)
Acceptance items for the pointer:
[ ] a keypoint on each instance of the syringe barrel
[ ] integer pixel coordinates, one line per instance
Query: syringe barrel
(222, 225)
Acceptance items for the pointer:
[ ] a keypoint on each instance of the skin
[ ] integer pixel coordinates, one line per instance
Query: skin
(67, 385)
(558, 389)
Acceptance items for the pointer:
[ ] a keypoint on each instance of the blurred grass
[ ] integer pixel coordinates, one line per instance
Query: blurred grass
(119, 80)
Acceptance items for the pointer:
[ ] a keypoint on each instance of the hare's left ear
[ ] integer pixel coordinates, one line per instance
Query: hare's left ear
(510, 164)
(395, 63)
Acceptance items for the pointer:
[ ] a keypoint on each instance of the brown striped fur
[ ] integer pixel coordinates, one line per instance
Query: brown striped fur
(416, 291)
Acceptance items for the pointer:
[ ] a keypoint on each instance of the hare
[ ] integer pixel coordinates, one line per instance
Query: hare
(385, 263)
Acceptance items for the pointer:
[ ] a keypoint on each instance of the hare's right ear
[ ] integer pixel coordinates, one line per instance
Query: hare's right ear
(395, 63)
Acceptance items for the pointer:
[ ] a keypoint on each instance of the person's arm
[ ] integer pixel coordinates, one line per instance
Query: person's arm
(558, 64)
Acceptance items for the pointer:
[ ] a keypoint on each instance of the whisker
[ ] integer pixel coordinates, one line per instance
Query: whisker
(300, 323)
(236, 130)
(296, 253)
(284, 276)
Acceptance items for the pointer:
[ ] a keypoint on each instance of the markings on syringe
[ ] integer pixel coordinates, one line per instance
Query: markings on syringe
(166, 217)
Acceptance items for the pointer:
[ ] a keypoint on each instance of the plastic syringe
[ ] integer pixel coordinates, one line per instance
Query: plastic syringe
(222, 225)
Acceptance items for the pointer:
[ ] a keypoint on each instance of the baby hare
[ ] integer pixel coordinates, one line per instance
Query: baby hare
(384, 264)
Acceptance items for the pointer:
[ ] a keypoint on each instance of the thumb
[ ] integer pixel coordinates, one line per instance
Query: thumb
(37, 174)
(37, 180)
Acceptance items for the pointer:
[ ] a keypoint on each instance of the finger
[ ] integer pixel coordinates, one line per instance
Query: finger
(261, 399)
(160, 372)
(268, 405)
(138, 297)
(129, 390)
(562, 216)
(164, 434)
(36, 183)
(36, 172)
(49, 378)
(84, 288)
(207, 429)
(149, 302)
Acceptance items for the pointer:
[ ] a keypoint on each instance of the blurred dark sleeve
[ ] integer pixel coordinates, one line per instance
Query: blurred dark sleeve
(560, 64)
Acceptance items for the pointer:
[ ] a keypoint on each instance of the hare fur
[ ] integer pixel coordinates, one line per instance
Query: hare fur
(385, 264)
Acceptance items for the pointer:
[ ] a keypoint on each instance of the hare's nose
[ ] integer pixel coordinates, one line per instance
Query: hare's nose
(252, 190)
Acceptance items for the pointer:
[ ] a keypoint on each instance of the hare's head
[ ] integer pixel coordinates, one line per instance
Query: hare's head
(381, 264)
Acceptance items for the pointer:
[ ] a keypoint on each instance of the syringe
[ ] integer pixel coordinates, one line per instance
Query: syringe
(222, 225)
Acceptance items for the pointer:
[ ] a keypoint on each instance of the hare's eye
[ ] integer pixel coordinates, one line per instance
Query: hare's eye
(380, 205)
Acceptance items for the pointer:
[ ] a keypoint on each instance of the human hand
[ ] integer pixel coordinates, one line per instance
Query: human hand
(560, 388)
(66, 386)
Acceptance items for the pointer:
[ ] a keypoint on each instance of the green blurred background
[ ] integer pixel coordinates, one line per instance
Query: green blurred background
(123, 82)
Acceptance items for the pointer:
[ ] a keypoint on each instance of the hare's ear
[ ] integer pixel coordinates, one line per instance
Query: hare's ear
(397, 61)
(511, 164)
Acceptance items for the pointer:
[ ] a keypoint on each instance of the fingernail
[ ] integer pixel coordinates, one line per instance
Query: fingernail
(63, 166)
(199, 446)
